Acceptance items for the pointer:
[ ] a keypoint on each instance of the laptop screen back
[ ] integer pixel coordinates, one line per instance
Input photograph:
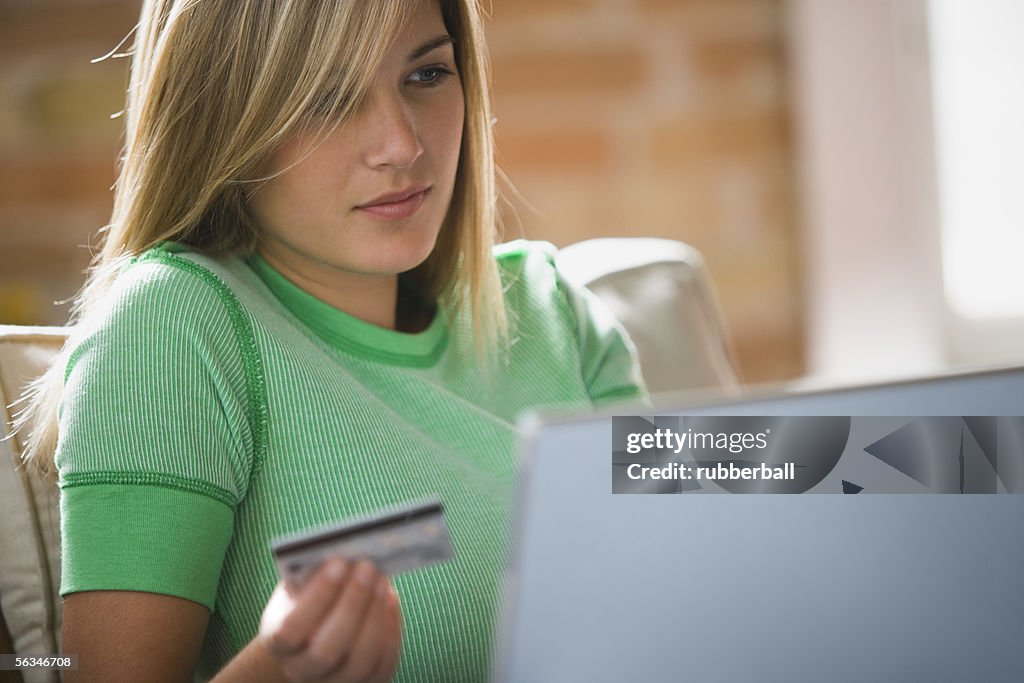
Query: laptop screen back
(895, 587)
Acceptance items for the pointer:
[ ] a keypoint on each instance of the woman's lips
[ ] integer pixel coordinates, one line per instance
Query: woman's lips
(396, 210)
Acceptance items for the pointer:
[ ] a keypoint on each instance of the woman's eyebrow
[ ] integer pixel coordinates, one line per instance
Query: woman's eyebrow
(430, 46)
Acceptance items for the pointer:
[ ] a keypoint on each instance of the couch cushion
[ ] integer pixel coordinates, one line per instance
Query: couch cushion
(29, 520)
(660, 292)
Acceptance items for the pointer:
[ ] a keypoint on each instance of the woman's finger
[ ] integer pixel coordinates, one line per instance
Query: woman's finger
(388, 663)
(291, 616)
(371, 643)
(332, 641)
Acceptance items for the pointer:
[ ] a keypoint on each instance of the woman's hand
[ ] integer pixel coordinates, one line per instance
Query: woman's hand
(343, 625)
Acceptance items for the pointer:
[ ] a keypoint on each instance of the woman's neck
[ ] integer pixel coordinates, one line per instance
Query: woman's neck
(412, 313)
(370, 298)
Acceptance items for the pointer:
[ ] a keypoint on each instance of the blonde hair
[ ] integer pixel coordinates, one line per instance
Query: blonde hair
(216, 86)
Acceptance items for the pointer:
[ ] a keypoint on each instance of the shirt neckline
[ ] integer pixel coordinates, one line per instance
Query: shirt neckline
(350, 334)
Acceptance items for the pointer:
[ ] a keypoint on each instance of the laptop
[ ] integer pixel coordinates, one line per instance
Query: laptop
(904, 581)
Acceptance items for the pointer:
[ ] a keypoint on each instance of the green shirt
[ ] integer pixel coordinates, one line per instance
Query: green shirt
(213, 406)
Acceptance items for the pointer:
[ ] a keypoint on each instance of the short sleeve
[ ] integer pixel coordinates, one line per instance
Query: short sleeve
(155, 437)
(608, 360)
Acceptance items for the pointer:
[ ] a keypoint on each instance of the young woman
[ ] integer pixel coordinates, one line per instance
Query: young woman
(299, 317)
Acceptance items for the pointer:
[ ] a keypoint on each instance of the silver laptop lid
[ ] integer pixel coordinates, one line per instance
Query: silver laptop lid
(899, 587)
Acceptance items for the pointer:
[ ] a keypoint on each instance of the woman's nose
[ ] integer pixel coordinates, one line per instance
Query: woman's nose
(392, 138)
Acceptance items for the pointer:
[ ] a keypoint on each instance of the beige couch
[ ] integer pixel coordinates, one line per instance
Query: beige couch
(30, 609)
(658, 288)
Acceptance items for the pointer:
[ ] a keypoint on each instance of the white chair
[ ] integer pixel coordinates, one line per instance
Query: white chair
(660, 291)
(30, 609)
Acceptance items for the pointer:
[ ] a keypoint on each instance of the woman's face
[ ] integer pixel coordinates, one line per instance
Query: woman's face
(369, 201)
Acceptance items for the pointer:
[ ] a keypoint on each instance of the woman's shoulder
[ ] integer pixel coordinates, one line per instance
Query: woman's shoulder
(528, 266)
(158, 300)
(168, 265)
(157, 283)
(545, 307)
(171, 274)
(535, 292)
(520, 253)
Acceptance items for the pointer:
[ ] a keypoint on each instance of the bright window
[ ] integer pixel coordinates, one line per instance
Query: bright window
(977, 59)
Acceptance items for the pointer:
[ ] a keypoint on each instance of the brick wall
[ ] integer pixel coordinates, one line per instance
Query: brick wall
(58, 146)
(660, 118)
(664, 118)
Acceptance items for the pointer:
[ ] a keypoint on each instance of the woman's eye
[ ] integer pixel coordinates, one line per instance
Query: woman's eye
(430, 75)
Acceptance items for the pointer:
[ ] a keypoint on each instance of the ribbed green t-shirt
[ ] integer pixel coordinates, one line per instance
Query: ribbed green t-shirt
(213, 406)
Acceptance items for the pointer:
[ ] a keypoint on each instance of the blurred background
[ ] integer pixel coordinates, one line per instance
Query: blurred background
(850, 169)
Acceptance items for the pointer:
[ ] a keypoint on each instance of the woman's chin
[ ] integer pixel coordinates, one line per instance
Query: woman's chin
(398, 259)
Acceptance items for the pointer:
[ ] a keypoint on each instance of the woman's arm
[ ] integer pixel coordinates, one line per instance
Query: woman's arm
(132, 636)
(344, 625)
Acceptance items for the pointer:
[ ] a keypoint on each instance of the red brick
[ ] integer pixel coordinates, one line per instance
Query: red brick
(709, 138)
(702, 18)
(33, 26)
(533, 9)
(571, 72)
(729, 58)
(74, 106)
(55, 179)
(553, 150)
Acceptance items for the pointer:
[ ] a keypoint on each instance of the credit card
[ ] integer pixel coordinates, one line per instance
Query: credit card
(396, 541)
